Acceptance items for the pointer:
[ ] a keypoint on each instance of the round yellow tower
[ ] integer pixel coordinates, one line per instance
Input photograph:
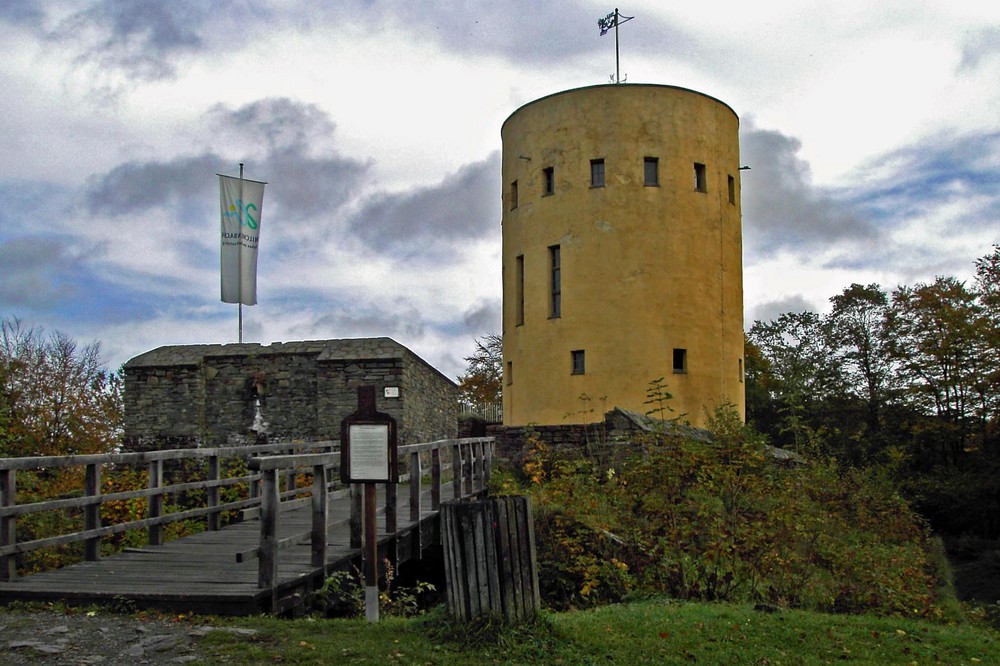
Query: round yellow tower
(622, 254)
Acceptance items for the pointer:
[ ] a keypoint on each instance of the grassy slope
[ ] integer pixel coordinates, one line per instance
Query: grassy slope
(646, 632)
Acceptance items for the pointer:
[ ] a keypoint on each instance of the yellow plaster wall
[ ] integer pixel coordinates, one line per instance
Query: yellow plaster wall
(644, 269)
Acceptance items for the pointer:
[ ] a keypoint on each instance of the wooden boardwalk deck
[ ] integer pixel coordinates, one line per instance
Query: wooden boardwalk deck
(201, 573)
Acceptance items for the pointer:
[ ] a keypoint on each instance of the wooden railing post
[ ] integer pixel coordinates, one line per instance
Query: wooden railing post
(155, 482)
(92, 512)
(468, 468)
(414, 486)
(253, 485)
(320, 514)
(435, 478)
(456, 468)
(290, 473)
(212, 493)
(480, 470)
(391, 507)
(356, 497)
(267, 558)
(487, 463)
(8, 524)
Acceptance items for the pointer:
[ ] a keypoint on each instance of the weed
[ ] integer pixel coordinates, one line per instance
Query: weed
(343, 593)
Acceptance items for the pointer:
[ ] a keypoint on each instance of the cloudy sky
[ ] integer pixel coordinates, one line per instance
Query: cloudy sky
(872, 130)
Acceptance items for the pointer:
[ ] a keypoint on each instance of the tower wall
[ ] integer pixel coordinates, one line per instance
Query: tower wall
(650, 273)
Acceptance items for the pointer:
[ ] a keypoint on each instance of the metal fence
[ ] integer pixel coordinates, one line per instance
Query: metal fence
(491, 412)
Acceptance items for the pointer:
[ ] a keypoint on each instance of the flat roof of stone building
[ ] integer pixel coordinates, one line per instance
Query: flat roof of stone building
(349, 349)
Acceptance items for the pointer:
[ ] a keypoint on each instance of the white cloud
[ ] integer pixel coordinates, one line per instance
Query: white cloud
(871, 129)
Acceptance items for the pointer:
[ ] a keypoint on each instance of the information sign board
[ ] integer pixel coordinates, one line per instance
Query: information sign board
(368, 451)
(369, 457)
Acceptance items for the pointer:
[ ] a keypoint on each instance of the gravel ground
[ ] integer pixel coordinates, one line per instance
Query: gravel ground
(84, 637)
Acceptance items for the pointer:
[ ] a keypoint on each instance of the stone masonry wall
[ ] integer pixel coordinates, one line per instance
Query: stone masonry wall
(431, 405)
(207, 395)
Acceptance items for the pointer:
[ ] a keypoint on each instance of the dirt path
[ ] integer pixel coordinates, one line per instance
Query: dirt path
(80, 637)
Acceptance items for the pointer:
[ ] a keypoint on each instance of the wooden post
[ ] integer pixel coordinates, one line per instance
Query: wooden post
(155, 482)
(8, 524)
(320, 514)
(468, 468)
(253, 485)
(267, 564)
(212, 493)
(92, 512)
(478, 473)
(435, 478)
(290, 474)
(356, 511)
(488, 464)
(415, 487)
(370, 560)
(391, 507)
(456, 468)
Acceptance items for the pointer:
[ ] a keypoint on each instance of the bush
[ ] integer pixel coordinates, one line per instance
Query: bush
(720, 521)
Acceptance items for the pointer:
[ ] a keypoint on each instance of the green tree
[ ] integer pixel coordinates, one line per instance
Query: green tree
(988, 292)
(940, 352)
(801, 372)
(859, 333)
(55, 398)
(482, 383)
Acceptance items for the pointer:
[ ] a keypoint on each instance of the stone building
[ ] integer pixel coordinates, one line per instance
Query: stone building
(214, 395)
(622, 254)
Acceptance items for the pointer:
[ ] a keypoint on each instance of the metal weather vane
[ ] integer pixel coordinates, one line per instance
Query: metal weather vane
(613, 20)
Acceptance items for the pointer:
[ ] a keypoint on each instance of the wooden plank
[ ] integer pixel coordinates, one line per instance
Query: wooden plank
(527, 603)
(8, 524)
(435, 479)
(517, 562)
(212, 493)
(267, 563)
(92, 513)
(155, 502)
(415, 477)
(504, 562)
(456, 468)
(320, 518)
(536, 597)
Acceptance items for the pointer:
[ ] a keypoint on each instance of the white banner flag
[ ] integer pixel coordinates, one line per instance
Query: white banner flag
(241, 201)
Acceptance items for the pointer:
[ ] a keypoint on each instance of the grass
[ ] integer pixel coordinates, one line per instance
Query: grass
(648, 632)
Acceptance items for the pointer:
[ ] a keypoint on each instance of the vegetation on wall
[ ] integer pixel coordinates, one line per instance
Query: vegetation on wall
(673, 514)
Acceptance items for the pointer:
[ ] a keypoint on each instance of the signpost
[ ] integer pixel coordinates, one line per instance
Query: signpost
(368, 455)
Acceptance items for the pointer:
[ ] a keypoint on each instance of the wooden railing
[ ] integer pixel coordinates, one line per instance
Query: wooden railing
(470, 465)
(270, 487)
(92, 499)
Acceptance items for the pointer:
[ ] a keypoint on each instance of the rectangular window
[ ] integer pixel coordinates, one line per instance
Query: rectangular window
(597, 173)
(579, 365)
(741, 371)
(510, 373)
(732, 190)
(513, 195)
(555, 300)
(700, 179)
(549, 182)
(519, 277)
(680, 361)
(651, 171)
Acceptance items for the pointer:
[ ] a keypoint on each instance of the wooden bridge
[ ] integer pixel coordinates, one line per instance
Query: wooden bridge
(284, 538)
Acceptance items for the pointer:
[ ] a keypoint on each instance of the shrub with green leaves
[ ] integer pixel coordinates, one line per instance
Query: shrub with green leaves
(721, 521)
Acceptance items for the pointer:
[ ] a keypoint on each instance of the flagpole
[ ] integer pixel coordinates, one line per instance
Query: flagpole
(241, 291)
(618, 75)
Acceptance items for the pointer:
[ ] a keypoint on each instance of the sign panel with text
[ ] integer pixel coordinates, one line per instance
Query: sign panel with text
(368, 443)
